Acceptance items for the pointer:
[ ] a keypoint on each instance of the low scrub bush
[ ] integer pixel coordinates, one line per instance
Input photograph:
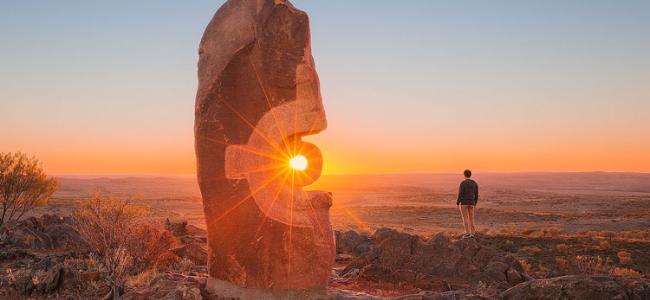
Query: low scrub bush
(590, 265)
(120, 238)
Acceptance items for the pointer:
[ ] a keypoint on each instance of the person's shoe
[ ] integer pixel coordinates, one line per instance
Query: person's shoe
(464, 236)
(472, 235)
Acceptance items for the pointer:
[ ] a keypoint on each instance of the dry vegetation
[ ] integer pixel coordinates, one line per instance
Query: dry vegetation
(23, 186)
(121, 240)
(578, 224)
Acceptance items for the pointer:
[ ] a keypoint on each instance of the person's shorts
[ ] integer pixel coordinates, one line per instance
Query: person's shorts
(467, 202)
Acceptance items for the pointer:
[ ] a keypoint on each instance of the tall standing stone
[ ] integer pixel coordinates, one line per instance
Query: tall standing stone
(258, 95)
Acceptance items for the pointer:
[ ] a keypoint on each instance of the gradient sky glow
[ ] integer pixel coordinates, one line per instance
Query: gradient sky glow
(409, 86)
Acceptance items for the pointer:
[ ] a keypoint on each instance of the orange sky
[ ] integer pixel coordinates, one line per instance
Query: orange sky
(444, 86)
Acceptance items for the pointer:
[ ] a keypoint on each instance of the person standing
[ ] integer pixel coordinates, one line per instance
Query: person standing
(467, 200)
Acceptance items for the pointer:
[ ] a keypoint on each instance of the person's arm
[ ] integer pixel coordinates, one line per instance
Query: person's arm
(476, 195)
(460, 194)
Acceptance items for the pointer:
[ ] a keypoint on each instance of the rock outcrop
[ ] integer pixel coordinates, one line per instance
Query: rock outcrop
(46, 232)
(570, 287)
(427, 264)
(258, 95)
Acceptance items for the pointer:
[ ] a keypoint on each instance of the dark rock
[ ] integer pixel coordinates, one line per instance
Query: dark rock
(88, 276)
(189, 239)
(568, 287)
(394, 253)
(450, 295)
(176, 228)
(45, 232)
(403, 275)
(52, 280)
(23, 282)
(193, 252)
(348, 242)
(496, 272)
(63, 236)
(514, 277)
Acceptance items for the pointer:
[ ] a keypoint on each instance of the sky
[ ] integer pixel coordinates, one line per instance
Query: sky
(408, 86)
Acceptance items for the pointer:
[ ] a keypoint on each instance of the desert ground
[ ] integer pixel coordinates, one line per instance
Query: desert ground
(571, 203)
(528, 214)
(547, 226)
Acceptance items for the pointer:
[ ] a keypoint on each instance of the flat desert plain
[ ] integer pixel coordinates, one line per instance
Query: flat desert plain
(418, 203)
(554, 223)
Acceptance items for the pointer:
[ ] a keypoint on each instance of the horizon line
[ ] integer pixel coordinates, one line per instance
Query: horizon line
(149, 175)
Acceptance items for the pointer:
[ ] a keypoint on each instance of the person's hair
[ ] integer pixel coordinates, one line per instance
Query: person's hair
(468, 173)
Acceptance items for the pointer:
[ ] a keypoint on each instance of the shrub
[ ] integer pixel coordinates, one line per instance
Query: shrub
(562, 248)
(590, 265)
(148, 246)
(23, 186)
(121, 239)
(184, 265)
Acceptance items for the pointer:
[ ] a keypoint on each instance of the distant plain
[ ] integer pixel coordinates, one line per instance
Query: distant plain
(418, 203)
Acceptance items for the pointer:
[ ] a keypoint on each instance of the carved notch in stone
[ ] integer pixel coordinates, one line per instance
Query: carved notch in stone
(258, 95)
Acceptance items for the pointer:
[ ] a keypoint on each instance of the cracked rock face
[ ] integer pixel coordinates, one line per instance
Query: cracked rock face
(258, 95)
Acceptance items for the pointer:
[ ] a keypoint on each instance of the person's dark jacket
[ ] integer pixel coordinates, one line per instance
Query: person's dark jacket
(468, 192)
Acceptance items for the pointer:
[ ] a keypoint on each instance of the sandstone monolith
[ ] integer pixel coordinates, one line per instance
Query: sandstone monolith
(258, 95)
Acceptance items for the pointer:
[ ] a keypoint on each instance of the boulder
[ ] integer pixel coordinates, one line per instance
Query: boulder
(496, 271)
(514, 277)
(23, 283)
(400, 257)
(568, 287)
(193, 252)
(44, 232)
(52, 280)
(176, 228)
(351, 242)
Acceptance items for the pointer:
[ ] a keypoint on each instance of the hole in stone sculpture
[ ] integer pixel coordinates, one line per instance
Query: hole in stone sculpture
(299, 162)
(304, 161)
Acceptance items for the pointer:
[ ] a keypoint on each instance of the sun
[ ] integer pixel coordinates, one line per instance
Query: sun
(299, 163)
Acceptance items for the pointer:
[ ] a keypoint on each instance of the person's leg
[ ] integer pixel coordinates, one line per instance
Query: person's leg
(470, 217)
(463, 210)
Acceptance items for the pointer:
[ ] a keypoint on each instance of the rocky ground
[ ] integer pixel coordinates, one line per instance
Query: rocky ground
(40, 258)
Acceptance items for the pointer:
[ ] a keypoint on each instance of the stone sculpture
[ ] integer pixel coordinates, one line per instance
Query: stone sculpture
(258, 95)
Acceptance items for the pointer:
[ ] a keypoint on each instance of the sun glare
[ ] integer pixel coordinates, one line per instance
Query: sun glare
(299, 163)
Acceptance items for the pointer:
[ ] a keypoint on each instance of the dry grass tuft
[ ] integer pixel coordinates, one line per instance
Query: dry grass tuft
(591, 265)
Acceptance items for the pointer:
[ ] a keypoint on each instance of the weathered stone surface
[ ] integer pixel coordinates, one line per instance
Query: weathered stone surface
(45, 232)
(258, 95)
(193, 252)
(568, 287)
(514, 277)
(351, 242)
(404, 258)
